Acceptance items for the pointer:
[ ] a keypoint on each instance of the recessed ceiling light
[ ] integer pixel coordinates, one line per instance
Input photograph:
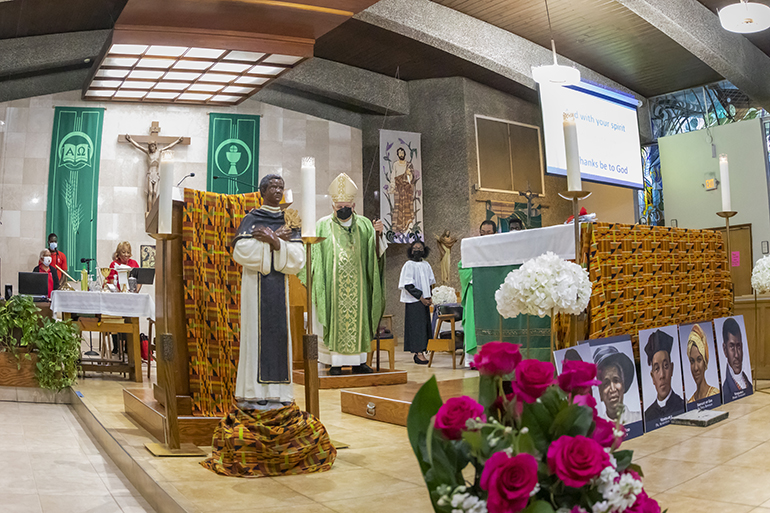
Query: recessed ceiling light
(211, 88)
(218, 77)
(235, 89)
(252, 80)
(105, 83)
(99, 93)
(174, 86)
(178, 75)
(119, 61)
(136, 84)
(128, 49)
(282, 59)
(130, 94)
(226, 98)
(231, 67)
(196, 65)
(112, 73)
(266, 70)
(87, 60)
(244, 56)
(153, 75)
(204, 53)
(155, 63)
(161, 95)
(166, 51)
(194, 96)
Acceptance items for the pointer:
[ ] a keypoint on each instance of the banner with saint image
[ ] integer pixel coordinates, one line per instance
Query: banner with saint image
(401, 186)
(73, 181)
(233, 155)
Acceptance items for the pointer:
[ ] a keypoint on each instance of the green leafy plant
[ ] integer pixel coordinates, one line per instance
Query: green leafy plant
(58, 346)
(19, 323)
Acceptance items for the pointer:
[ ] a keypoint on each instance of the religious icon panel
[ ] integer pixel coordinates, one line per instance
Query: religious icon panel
(661, 376)
(701, 382)
(401, 186)
(734, 363)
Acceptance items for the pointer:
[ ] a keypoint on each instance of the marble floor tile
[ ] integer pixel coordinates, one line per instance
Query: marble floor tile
(684, 504)
(728, 484)
(55, 503)
(24, 503)
(707, 450)
(414, 501)
(662, 474)
(330, 486)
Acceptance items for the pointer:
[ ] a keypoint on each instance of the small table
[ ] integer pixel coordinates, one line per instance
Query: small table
(131, 307)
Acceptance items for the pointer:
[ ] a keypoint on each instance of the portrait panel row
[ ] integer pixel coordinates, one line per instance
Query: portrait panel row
(676, 370)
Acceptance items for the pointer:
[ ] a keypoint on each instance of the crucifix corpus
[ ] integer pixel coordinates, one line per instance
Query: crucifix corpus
(150, 146)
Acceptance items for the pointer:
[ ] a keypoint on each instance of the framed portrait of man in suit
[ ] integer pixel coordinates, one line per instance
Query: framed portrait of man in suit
(661, 369)
(734, 363)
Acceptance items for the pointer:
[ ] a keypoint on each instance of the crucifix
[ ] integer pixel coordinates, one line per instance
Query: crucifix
(529, 195)
(154, 153)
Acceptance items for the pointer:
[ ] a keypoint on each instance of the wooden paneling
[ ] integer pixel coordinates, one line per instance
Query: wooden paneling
(758, 341)
(354, 380)
(145, 410)
(12, 376)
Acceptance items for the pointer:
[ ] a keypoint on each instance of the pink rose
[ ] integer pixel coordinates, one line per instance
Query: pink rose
(578, 509)
(509, 481)
(644, 504)
(454, 413)
(576, 460)
(585, 400)
(533, 378)
(497, 358)
(578, 377)
(604, 433)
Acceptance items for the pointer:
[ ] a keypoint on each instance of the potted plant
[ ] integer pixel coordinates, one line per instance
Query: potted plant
(19, 323)
(58, 346)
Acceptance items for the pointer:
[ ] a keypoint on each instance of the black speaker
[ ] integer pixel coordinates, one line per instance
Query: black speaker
(8, 291)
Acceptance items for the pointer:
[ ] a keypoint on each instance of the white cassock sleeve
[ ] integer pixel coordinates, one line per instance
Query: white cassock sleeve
(407, 275)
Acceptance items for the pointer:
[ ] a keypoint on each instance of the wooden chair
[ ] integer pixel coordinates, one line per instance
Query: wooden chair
(386, 344)
(445, 344)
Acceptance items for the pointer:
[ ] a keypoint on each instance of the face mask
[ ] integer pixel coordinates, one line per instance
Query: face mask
(344, 212)
(417, 254)
(46, 261)
(52, 245)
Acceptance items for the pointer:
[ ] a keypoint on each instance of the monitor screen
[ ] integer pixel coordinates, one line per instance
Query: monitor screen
(143, 275)
(33, 284)
(607, 129)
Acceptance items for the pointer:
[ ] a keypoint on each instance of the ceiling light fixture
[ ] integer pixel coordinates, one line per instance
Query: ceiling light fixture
(745, 17)
(555, 74)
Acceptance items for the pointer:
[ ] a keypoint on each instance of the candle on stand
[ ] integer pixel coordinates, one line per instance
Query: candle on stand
(724, 182)
(307, 175)
(165, 199)
(572, 153)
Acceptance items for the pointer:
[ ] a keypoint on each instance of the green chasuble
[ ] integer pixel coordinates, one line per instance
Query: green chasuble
(348, 283)
(466, 295)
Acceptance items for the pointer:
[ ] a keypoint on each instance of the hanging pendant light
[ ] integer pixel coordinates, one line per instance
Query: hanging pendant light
(555, 74)
(745, 17)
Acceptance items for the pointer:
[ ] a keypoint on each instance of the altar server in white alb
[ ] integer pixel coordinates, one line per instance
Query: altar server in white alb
(415, 282)
(269, 251)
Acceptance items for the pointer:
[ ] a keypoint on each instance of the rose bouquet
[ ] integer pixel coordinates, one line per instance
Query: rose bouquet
(530, 444)
(760, 276)
(543, 286)
(444, 295)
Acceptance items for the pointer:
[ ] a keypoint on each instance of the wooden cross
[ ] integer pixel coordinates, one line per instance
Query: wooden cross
(153, 137)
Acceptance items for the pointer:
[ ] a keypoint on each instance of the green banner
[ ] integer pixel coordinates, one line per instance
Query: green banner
(73, 181)
(233, 158)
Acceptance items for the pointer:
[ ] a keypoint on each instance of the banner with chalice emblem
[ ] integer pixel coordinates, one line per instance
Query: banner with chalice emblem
(73, 181)
(233, 158)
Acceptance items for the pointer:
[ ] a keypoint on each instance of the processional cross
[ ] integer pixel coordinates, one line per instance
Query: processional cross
(154, 153)
(529, 195)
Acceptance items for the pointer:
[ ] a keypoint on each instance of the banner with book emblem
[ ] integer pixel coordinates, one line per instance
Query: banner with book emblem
(73, 180)
(233, 157)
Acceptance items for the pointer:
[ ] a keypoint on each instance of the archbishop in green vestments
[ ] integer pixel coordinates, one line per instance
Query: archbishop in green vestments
(348, 282)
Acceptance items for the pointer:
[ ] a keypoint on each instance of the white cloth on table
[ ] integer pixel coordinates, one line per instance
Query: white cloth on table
(516, 247)
(419, 274)
(104, 303)
(256, 258)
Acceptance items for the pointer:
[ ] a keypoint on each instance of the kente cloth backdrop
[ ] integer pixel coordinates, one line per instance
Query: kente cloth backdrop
(279, 442)
(212, 294)
(73, 181)
(653, 276)
(233, 157)
(401, 186)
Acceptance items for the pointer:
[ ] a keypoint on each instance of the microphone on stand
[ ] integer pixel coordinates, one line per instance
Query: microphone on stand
(236, 181)
(185, 178)
(84, 260)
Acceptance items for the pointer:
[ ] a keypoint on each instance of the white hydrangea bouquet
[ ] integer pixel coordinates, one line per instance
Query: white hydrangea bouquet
(760, 276)
(444, 295)
(543, 286)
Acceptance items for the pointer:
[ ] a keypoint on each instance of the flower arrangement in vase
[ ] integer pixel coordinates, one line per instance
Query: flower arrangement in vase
(443, 295)
(531, 443)
(760, 276)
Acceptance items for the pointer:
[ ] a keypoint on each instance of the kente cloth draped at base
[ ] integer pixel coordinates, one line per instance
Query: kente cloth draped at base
(278, 442)
(652, 276)
(212, 292)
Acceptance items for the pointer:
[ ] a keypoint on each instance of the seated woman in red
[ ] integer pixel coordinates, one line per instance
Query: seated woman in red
(122, 256)
(44, 266)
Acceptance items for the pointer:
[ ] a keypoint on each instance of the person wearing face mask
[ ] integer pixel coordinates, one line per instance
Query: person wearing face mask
(57, 257)
(44, 266)
(348, 281)
(415, 282)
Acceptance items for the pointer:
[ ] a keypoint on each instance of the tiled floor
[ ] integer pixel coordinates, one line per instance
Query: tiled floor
(723, 468)
(49, 464)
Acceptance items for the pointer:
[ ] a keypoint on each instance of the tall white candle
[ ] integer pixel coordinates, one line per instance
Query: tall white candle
(308, 197)
(724, 179)
(572, 153)
(165, 196)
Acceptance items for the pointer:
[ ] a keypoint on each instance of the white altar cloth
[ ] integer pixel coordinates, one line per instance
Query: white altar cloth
(516, 247)
(119, 304)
